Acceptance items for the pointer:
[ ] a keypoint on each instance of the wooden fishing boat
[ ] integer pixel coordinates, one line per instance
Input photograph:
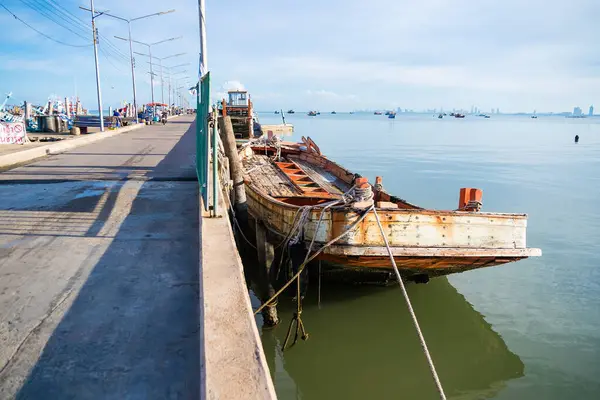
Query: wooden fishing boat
(239, 107)
(287, 180)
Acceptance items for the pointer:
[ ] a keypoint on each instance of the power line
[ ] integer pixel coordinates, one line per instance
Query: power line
(84, 25)
(42, 11)
(106, 56)
(42, 33)
(69, 22)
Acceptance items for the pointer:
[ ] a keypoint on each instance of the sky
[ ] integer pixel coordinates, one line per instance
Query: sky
(329, 55)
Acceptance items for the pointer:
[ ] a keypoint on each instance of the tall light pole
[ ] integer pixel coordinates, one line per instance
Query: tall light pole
(203, 55)
(149, 45)
(171, 73)
(177, 87)
(160, 60)
(129, 21)
(98, 90)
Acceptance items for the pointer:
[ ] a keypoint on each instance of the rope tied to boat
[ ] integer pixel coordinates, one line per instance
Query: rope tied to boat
(472, 205)
(358, 194)
(298, 315)
(353, 195)
(436, 378)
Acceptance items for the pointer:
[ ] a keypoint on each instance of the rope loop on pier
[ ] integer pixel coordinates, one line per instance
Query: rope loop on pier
(436, 378)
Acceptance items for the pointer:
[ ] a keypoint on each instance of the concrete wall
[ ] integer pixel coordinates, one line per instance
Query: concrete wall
(232, 361)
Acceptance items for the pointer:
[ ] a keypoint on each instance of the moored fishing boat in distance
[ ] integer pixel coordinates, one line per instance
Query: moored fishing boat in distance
(377, 113)
(311, 113)
(333, 112)
(457, 115)
(291, 112)
(392, 115)
(276, 112)
(292, 185)
(239, 107)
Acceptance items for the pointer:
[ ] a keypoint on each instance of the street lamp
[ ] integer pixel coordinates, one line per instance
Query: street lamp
(98, 91)
(129, 21)
(160, 60)
(177, 87)
(149, 45)
(170, 73)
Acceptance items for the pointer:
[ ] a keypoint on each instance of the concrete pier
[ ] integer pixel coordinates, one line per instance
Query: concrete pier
(100, 260)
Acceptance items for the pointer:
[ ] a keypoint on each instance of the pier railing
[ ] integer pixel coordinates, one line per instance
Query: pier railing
(202, 136)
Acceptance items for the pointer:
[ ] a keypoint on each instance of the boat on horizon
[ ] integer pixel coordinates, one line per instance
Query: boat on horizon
(276, 112)
(333, 112)
(457, 115)
(291, 112)
(311, 113)
(292, 185)
(392, 115)
(377, 113)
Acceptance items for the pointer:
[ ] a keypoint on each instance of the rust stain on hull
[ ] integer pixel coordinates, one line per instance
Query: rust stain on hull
(423, 241)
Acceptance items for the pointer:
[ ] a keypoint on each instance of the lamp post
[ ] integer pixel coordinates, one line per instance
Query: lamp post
(98, 90)
(177, 87)
(170, 73)
(160, 60)
(129, 21)
(149, 45)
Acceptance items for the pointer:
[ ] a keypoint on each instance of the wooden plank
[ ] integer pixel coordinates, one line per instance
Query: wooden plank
(371, 251)
(324, 178)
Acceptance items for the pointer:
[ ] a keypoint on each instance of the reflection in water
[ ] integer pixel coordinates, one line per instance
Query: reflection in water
(363, 345)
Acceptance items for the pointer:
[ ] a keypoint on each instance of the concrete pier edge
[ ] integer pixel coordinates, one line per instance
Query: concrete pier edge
(11, 160)
(232, 361)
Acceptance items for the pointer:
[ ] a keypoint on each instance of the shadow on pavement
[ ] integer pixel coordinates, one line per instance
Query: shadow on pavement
(132, 330)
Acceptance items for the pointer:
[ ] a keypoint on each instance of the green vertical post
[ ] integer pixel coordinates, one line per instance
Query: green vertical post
(202, 136)
(215, 166)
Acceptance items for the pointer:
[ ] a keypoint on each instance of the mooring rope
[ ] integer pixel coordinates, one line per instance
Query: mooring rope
(412, 312)
(312, 257)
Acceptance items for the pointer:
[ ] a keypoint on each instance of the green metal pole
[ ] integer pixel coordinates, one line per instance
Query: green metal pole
(215, 166)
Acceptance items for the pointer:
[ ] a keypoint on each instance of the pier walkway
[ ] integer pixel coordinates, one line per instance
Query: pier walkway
(99, 256)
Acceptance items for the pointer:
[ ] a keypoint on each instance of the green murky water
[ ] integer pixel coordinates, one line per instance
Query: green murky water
(525, 330)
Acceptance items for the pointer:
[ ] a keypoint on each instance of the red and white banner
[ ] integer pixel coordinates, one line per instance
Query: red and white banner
(13, 133)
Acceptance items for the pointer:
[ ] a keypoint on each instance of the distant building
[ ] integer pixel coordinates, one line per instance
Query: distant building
(577, 112)
(591, 111)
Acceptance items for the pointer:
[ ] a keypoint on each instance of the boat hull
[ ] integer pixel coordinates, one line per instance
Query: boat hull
(422, 241)
(431, 242)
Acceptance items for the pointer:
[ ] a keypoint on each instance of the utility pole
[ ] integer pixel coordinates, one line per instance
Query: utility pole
(135, 109)
(129, 21)
(203, 55)
(98, 90)
(149, 46)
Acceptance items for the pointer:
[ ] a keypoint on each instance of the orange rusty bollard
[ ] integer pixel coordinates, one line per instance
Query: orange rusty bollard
(361, 182)
(362, 186)
(470, 199)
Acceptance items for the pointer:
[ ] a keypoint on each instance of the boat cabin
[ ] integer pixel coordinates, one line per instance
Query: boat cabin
(239, 107)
